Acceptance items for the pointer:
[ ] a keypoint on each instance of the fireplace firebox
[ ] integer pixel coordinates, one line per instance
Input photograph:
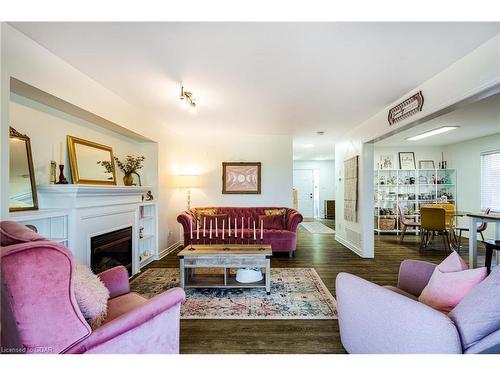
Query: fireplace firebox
(111, 249)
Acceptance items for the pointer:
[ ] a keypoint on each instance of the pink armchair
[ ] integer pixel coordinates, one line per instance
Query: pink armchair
(40, 313)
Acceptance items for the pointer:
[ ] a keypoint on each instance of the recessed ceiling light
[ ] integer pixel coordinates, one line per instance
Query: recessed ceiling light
(430, 133)
(321, 132)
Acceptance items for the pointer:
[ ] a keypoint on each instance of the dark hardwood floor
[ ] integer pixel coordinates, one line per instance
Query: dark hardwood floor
(329, 258)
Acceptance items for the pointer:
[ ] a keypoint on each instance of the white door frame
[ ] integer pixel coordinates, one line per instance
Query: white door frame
(315, 198)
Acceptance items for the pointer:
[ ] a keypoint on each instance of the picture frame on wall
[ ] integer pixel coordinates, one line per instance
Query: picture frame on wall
(426, 164)
(386, 162)
(241, 177)
(407, 160)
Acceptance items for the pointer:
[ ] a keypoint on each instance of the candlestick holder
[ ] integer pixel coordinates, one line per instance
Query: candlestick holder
(62, 179)
(261, 248)
(191, 248)
(53, 168)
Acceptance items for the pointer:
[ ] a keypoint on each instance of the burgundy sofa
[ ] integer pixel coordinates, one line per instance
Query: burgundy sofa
(40, 313)
(281, 240)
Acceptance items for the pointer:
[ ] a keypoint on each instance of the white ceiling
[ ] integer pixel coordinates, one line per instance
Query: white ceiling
(266, 78)
(474, 120)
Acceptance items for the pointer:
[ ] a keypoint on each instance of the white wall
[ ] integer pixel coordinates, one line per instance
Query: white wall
(465, 157)
(326, 170)
(473, 74)
(204, 155)
(48, 128)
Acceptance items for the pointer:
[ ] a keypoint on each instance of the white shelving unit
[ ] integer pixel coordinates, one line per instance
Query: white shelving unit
(51, 224)
(410, 188)
(148, 233)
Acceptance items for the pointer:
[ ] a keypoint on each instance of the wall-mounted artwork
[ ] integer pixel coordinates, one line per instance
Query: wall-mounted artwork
(351, 189)
(241, 177)
(386, 161)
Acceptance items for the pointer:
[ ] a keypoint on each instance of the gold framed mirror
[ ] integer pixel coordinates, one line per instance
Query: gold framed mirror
(22, 185)
(91, 162)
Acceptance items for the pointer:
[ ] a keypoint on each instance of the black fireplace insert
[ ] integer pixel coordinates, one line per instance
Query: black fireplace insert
(112, 249)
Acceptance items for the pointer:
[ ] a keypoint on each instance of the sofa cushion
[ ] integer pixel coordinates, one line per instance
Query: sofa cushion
(12, 233)
(400, 291)
(91, 295)
(211, 218)
(478, 314)
(122, 304)
(199, 212)
(271, 221)
(450, 282)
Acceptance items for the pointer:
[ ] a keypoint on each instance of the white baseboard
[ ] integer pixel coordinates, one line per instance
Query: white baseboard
(349, 245)
(169, 249)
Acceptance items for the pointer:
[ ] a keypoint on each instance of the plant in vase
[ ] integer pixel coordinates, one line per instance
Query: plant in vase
(129, 167)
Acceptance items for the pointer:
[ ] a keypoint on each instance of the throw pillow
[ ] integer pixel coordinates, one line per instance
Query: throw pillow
(12, 233)
(450, 282)
(275, 211)
(199, 212)
(478, 314)
(91, 295)
(271, 221)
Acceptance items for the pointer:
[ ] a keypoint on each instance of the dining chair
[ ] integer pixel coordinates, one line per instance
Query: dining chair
(480, 229)
(450, 213)
(433, 222)
(404, 222)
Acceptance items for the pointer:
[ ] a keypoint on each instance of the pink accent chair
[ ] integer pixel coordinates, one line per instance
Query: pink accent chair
(40, 313)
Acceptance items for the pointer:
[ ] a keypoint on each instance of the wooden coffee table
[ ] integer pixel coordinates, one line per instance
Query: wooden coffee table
(225, 257)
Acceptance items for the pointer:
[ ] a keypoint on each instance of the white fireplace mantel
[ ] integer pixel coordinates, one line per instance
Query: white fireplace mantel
(83, 196)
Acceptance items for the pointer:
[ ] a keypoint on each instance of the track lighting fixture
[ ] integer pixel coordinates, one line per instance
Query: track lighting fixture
(187, 100)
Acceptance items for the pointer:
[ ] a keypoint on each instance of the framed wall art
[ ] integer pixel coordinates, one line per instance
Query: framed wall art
(426, 164)
(351, 189)
(241, 178)
(386, 162)
(407, 160)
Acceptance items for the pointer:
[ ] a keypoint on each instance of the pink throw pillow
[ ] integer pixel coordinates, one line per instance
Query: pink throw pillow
(450, 282)
(91, 295)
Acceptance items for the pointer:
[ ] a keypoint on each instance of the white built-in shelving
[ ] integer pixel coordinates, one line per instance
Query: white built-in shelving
(410, 189)
(51, 224)
(148, 232)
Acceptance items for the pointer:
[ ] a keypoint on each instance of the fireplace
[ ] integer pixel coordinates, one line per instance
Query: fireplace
(111, 249)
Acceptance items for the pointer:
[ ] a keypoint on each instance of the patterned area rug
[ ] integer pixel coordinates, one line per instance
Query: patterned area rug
(296, 293)
(317, 227)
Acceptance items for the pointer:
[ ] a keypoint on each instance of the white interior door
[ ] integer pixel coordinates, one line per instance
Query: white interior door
(303, 182)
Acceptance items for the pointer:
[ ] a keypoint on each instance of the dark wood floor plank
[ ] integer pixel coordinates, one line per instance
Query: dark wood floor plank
(329, 258)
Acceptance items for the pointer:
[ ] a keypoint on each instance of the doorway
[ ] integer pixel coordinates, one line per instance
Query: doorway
(303, 182)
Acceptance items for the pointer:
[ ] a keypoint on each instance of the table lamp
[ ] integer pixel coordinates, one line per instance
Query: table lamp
(188, 182)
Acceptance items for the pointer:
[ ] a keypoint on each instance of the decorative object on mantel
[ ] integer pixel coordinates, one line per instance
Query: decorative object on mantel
(53, 167)
(87, 158)
(407, 160)
(62, 178)
(241, 178)
(128, 167)
(351, 189)
(426, 164)
(22, 185)
(149, 196)
(406, 108)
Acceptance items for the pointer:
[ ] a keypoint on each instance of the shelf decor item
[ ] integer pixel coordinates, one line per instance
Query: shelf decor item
(426, 164)
(386, 162)
(407, 160)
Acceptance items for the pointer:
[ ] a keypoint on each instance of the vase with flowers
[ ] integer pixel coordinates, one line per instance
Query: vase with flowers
(129, 168)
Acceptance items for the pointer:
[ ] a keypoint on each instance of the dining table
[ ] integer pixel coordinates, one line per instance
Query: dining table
(474, 220)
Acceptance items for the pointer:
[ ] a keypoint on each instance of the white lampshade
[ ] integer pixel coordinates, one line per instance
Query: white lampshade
(187, 181)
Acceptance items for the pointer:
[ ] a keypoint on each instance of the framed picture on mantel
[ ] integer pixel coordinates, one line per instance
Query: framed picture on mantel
(241, 177)
(407, 160)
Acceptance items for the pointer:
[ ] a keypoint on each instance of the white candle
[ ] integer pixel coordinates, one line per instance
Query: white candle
(242, 223)
(204, 226)
(254, 232)
(60, 153)
(53, 152)
(262, 229)
(197, 230)
(216, 228)
(229, 226)
(191, 228)
(210, 229)
(235, 228)
(223, 225)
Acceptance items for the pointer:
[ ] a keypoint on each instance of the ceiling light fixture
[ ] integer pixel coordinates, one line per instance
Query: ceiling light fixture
(430, 133)
(187, 100)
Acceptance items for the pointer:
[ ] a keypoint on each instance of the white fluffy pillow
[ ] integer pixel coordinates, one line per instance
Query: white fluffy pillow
(91, 295)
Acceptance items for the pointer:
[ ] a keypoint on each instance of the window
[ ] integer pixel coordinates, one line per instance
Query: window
(490, 180)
